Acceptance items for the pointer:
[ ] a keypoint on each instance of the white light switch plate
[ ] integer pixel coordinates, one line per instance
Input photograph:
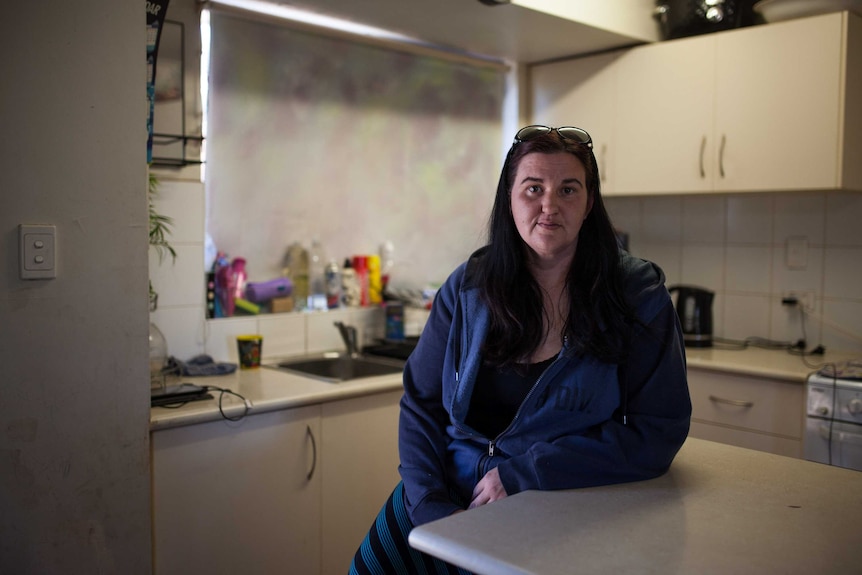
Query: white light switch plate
(37, 249)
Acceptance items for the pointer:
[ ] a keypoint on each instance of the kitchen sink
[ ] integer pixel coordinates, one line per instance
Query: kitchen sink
(336, 368)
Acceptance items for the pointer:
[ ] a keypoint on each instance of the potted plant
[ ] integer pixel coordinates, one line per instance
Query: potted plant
(160, 229)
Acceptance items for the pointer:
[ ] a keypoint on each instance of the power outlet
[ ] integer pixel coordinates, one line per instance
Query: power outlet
(807, 298)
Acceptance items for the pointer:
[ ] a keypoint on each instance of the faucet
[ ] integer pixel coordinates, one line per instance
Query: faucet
(348, 335)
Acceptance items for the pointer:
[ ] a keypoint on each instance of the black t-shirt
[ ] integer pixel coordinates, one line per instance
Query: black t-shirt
(498, 394)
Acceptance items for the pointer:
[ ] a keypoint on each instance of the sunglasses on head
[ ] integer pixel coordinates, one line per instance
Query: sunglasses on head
(567, 132)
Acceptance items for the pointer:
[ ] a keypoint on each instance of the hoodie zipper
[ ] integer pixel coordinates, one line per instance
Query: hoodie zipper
(492, 444)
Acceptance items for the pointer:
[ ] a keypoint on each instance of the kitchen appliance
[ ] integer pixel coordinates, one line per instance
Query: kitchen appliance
(694, 308)
(833, 425)
(681, 18)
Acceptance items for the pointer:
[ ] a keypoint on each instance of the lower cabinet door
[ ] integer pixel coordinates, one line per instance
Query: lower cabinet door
(238, 497)
(359, 471)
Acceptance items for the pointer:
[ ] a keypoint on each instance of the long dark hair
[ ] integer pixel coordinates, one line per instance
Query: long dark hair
(598, 314)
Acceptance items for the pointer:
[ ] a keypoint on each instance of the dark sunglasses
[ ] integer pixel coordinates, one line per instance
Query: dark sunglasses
(567, 132)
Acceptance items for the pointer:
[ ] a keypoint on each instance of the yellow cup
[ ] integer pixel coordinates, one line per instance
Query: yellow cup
(249, 348)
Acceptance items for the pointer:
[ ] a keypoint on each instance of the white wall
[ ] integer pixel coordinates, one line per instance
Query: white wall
(736, 245)
(74, 409)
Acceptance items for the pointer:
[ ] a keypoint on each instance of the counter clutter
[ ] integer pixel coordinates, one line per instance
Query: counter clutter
(265, 390)
(269, 390)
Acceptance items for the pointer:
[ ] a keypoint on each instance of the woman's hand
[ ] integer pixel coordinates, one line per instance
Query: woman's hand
(489, 489)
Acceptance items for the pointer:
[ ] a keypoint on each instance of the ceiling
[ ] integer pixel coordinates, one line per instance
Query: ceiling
(507, 31)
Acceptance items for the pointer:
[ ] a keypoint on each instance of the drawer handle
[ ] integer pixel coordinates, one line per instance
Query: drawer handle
(310, 435)
(735, 402)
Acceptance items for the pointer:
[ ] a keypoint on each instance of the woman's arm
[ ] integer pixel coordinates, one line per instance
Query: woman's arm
(658, 417)
(422, 437)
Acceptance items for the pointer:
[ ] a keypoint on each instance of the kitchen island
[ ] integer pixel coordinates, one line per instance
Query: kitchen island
(720, 509)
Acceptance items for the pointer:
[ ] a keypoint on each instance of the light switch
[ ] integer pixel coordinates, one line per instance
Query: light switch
(37, 251)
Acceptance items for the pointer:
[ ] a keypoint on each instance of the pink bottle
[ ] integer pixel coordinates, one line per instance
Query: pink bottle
(239, 277)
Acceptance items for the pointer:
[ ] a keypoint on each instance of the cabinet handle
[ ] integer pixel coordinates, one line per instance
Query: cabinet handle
(310, 435)
(736, 402)
(721, 155)
(702, 150)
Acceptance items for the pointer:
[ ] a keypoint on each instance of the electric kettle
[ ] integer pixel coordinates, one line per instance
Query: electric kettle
(694, 308)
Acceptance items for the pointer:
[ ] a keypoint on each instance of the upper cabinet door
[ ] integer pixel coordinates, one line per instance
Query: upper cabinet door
(665, 109)
(580, 93)
(778, 106)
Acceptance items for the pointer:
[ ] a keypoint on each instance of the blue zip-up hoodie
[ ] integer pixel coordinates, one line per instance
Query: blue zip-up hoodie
(583, 423)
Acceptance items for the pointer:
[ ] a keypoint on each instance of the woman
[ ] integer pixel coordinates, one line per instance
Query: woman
(551, 358)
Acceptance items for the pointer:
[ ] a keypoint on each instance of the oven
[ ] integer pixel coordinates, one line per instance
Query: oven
(833, 425)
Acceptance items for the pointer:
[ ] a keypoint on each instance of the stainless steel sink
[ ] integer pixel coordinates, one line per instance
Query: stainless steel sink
(341, 367)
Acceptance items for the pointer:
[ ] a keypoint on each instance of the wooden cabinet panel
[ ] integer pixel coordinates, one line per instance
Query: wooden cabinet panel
(580, 92)
(778, 106)
(236, 497)
(665, 108)
(762, 108)
(758, 413)
(759, 441)
(359, 470)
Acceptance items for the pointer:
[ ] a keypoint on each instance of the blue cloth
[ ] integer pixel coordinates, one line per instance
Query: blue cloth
(569, 432)
(200, 365)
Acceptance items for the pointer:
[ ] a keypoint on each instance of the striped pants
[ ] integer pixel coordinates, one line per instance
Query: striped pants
(385, 550)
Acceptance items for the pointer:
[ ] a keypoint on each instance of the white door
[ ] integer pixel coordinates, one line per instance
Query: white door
(239, 497)
(580, 92)
(665, 109)
(778, 96)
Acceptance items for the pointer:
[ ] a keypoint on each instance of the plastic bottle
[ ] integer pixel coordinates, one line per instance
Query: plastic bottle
(317, 276)
(349, 285)
(387, 262)
(333, 285)
(296, 262)
(240, 276)
(375, 285)
(360, 266)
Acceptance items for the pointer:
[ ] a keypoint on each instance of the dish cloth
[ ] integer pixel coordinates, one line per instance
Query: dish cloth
(200, 365)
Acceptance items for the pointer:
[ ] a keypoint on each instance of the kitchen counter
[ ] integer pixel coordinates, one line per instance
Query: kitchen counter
(720, 509)
(264, 389)
(268, 389)
(760, 362)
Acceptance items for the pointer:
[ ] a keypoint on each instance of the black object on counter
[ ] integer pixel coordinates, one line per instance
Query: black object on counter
(395, 349)
(681, 18)
(694, 308)
(178, 394)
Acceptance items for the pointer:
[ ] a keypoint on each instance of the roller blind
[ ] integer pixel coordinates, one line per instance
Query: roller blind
(314, 136)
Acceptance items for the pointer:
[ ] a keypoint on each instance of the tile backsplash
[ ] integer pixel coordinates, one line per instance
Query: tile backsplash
(751, 249)
(734, 245)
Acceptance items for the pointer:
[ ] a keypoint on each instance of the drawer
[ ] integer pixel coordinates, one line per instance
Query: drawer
(748, 439)
(759, 404)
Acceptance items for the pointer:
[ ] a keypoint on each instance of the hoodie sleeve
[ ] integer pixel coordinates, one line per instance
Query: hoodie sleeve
(422, 437)
(657, 409)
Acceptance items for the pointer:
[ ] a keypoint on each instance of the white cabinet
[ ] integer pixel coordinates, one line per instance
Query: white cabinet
(757, 413)
(779, 105)
(238, 497)
(580, 93)
(764, 108)
(359, 470)
(665, 103)
(291, 491)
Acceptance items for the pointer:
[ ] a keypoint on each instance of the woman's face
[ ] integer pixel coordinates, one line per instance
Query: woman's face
(549, 201)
